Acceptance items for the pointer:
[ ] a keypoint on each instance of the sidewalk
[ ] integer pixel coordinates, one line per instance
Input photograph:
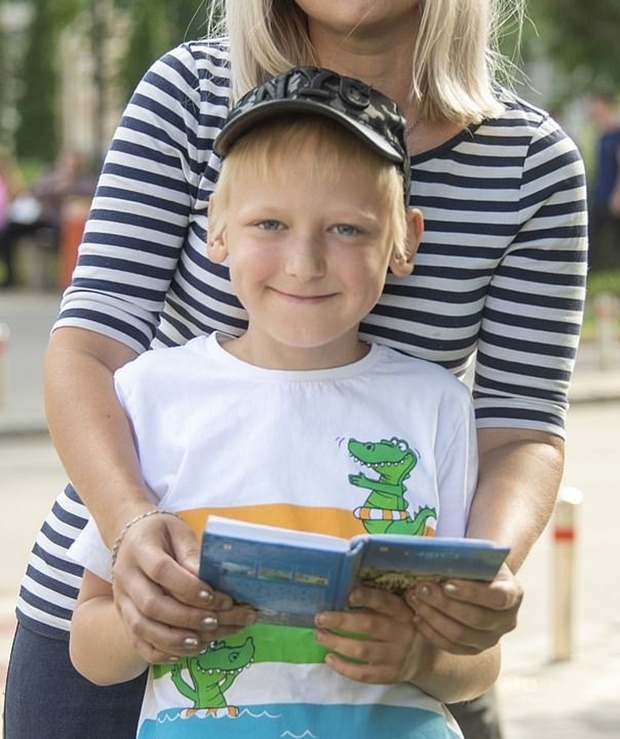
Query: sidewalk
(29, 317)
(539, 699)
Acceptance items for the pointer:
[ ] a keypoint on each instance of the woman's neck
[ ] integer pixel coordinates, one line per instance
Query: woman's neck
(388, 68)
(382, 61)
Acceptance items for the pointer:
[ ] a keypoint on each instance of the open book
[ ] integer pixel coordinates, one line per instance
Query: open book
(288, 576)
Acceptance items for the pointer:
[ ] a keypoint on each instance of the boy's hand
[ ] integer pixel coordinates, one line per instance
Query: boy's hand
(387, 633)
(465, 616)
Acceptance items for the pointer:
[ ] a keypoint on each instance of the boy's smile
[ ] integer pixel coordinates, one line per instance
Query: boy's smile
(308, 257)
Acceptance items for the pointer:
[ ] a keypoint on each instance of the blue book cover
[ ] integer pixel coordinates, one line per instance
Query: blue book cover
(288, 576)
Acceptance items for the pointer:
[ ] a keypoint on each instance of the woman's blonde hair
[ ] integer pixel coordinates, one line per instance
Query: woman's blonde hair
(267, 149)
(455, 62)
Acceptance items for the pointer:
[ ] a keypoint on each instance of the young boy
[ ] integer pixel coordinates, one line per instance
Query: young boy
(291, 424)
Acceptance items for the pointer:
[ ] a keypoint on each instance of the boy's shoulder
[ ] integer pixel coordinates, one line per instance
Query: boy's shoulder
(162, 359)
(414, 370)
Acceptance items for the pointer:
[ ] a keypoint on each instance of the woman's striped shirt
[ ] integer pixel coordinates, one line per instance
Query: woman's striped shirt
(499, 276)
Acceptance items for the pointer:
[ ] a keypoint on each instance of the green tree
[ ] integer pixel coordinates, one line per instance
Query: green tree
(37, 132)
(581, 40)
(4, 76)
(37, 135)
(158, 25)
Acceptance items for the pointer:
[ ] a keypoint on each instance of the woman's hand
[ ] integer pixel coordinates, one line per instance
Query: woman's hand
(384, 623)
(465, 616)
(166, 609)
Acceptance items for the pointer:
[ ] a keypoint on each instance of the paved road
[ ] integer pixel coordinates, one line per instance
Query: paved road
(578, 699)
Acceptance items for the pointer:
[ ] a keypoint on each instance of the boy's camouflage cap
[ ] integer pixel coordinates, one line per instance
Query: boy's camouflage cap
(371, 116)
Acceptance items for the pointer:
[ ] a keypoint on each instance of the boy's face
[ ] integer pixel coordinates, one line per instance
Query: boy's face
(307, 260)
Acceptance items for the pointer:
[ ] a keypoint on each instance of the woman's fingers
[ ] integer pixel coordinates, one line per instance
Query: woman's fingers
(466, 617)
(150, 635)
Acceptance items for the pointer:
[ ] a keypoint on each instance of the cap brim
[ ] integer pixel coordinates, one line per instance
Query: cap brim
(237, 126)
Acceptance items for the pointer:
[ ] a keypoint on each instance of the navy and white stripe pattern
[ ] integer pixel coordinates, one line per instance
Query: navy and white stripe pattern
(501, 269)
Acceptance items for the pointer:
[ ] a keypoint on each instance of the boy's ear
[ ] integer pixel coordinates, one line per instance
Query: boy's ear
(216, 242)
(401, 265)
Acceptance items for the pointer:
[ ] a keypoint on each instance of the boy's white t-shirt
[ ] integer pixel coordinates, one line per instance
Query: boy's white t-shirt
(297, 449)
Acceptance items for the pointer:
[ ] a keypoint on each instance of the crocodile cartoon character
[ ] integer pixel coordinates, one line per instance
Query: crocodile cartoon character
(385, 510)
(211, 673)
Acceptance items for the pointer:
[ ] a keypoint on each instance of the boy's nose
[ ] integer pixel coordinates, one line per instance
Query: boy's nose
(305, 258)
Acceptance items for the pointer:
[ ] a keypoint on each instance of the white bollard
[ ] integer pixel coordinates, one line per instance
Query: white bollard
(564, 536)
(5, 334)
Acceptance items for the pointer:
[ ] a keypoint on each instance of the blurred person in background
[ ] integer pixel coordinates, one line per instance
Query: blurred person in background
(5, 198)
(37, 212)
(10, 186)
(605, 190)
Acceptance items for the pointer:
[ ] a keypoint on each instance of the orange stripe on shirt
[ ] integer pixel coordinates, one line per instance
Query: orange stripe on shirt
(332, 521)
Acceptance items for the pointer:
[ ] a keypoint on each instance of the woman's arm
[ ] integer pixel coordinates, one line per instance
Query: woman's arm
(89, 428)
(526, 353)
(132, 242)
(158, 556)
(520, 475)
(141, 215)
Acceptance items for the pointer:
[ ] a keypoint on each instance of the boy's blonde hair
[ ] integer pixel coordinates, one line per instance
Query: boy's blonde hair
(267, 150)
(455, 60)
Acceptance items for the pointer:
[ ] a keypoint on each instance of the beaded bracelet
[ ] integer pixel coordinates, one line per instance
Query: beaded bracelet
(128, 525)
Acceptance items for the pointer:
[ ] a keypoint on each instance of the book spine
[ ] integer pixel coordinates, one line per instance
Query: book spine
(349, 567)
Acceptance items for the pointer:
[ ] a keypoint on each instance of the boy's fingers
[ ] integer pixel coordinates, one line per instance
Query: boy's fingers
(364, 673)
(379, 601)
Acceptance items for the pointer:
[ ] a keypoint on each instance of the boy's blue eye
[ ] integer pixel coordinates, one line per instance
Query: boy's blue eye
(269, 225)
(346, 229)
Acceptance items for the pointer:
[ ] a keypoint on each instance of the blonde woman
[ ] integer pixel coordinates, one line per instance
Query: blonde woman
(499, 277)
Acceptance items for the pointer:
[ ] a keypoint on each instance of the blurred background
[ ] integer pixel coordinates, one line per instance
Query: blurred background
(67, 68)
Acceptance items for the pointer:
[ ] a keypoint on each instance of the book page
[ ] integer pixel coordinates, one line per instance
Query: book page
(221, 526)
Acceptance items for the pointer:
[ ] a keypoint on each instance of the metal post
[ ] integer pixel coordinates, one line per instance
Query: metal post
(564, 535)
(5, 334)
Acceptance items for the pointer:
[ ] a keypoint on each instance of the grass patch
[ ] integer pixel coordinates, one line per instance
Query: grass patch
(603, 282)
(600, 283)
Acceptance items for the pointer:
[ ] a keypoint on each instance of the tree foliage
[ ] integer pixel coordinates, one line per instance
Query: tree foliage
(38, 126)
(4, 74)
(158, 25)
(581, 40)
(38, 132)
